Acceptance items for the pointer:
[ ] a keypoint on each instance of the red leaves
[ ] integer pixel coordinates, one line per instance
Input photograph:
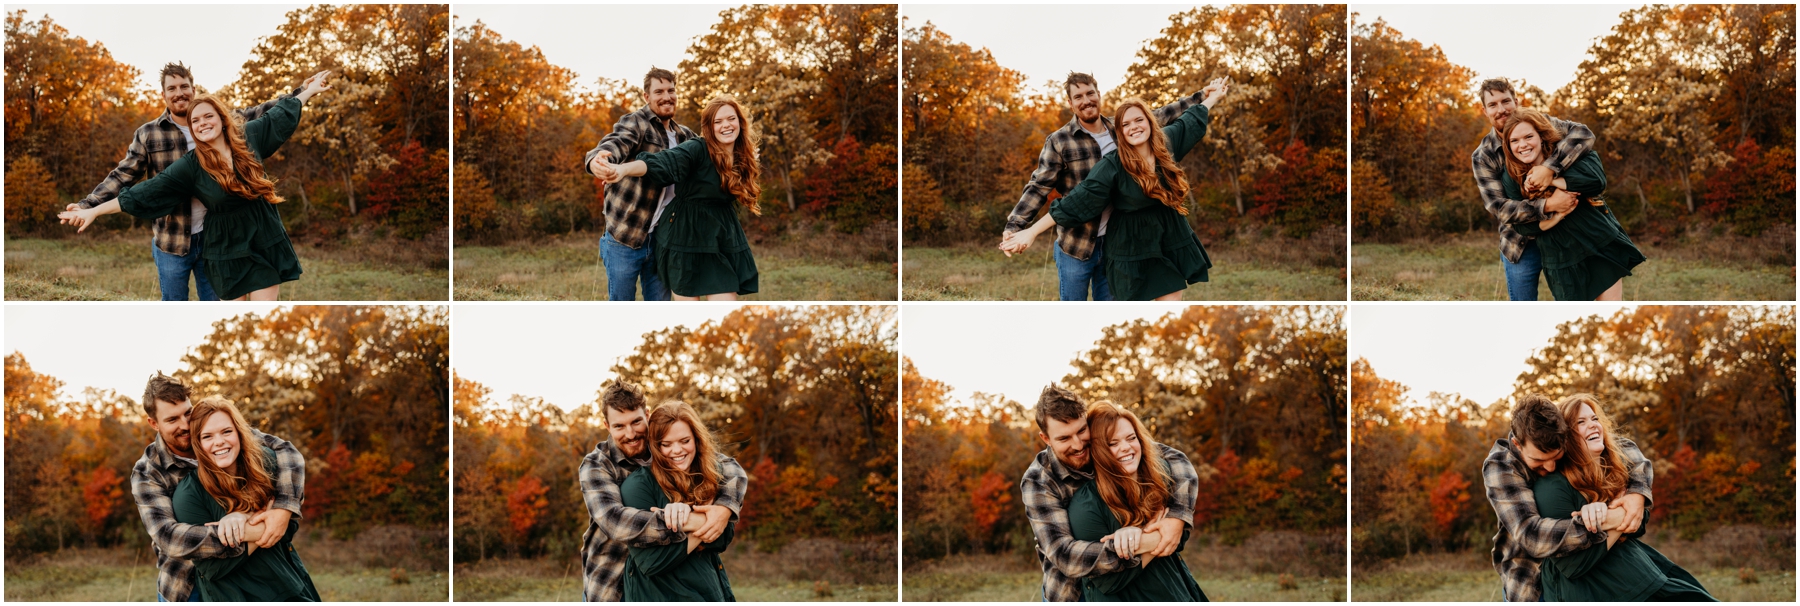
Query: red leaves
(992, 492)
(1448, 498)
(525, 504)
(101, 494)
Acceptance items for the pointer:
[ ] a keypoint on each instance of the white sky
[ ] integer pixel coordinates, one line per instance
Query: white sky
(1554, 39)
(610, 41)
(1011, 350)
(1474, 350)
(113, 347)
(561, 353)
(148, 36)
(1047, 41)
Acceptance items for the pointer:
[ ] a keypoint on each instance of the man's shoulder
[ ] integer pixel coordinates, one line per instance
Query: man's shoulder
(1039, 470)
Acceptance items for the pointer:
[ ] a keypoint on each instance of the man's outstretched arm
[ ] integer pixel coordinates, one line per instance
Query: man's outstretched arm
(156, 508)
(1037, 188)
(128, 171)
(1050, 524)
(631, 526)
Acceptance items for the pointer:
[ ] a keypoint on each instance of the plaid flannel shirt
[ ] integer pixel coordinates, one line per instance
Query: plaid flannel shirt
(1046, 489)
(1489, 164)
(1524, 538)
(1068, 154)
(630, 203)
(614, 528)
(156, 145)
(153, 481)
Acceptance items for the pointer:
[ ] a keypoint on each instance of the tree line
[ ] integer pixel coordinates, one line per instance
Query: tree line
(803, 398)
(1273, 155)
(372, 154)
(1692, 107)
(362, 392)
(1254, 397)
(1706, 392)
(823, 116)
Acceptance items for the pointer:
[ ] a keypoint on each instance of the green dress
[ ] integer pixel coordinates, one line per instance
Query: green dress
(1150, 249)
(700, 245)
(669, 573)
(1164, 580)
(1628, 572)
(247, 248)
(1588, 251)
(270, 575)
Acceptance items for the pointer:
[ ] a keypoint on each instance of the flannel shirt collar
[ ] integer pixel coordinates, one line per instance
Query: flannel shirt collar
(164, 459)
(611, 452)
(1061, 472)
(1074, 126)
(650, 116)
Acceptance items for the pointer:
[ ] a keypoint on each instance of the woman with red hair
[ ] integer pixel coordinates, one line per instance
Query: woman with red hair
(1127, 494)
(1586, 252)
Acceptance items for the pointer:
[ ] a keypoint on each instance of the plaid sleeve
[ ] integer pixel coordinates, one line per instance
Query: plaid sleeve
(1050, 522)
(1184, 484)
(156, 507)
(1172, 112)
(631, 526)
(1037, 190)
(1516, 507)
(252, 113)
(127, 172)
(618, 144)
(1643, 474)
(289, 472)
(732, 483)
(1493, 195)
(1577, 140)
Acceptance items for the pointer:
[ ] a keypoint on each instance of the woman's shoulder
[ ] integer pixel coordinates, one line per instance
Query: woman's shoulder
(638, 478)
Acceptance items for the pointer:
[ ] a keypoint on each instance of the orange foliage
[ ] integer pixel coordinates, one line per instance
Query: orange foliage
(991, 493)
(101, 495)
(525, 503)
(1448, 499)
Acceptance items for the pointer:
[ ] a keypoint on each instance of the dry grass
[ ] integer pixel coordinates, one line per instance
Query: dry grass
(804, 570)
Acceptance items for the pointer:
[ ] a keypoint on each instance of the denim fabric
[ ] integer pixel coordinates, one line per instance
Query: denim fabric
(172, 271)
(1522, 277)
(1075, 276)
(627, 266)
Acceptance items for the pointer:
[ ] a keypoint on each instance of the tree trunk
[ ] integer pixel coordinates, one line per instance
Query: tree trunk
(787, 184)
(350, 188)
(1237, 191)
(1688, 189)
(1643, 202)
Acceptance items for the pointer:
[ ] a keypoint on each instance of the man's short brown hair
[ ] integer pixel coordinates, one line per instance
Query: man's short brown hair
(174, 69)
(1060, 404)
(1078, 78)
(621, 395)
(657, 73)
(1495, 85)
(165, 388)
(1536, 421)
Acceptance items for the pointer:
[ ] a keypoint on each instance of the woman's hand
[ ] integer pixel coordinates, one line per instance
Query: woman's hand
(1593, 516)
(1538, 179)
(603, 168)
(314, 85)
(675, 515)
(1017, 241)
(81, 219)
(1125, 541)
(230, 528)
(1215, 90)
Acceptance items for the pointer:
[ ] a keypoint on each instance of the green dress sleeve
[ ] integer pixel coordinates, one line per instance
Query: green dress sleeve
(1185, 132)
(1514, 192)
(162, 195)
(675, 164)
(1089, 519)
(1557, 499)
(1586, 176)
(641, 492)
(266, 133)
(1090, 197)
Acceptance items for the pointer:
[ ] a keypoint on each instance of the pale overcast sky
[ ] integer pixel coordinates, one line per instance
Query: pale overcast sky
(1553, 42)
(561, 353)
(610, 41)
(1011, 350)
(113, 347)
(1047, 41)
(1475, 350)
(148, 36)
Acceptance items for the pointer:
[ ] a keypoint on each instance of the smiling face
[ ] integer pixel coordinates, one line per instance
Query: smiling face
(677, 445)
(661, 97)
(1135, 126)
(1125, 446)
(171, 422)
(1540, 462)
(1497, 106)
(628, 430)
(1068, 440)
(219, 440)
(177, 92)
(205, 122)
(1525, 142)
(1084, 102)
(1589, 431)
(725, 125)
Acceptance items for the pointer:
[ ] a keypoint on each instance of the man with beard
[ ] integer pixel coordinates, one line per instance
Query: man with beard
(627, 249)
(1519, 253)
(1052, 480)
(176, 241)
(1068, 154)
(614, 528)
(169, 460)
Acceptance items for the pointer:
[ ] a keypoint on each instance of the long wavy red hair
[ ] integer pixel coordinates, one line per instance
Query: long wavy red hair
(1171, 186)
(1546, 131)
(699, 483)
(738, 168)
(250, 182)
(1598, 478)
(1134, 499)
(246, 485)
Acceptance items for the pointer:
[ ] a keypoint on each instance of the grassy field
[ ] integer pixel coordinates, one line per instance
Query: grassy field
(1251, 572)
(823, 266)
(1718, 560)
(809, 570)
(1467, 267)
(1245, 268)
(117, 266)
(383, 565)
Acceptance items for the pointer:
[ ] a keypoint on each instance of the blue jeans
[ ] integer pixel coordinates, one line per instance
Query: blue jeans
(627, 266)
(172, 271)
(1074, 276)
(1522, 277)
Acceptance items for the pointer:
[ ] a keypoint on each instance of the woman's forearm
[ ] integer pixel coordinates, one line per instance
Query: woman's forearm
(1148, 542)
(1612, 537)
(108, 207)
(634, 168)
(1042, 225)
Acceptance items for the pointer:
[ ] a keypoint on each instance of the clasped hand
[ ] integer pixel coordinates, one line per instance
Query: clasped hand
(604, 169)
(675, 517)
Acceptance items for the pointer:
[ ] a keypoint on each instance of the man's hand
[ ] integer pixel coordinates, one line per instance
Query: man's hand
(1125, 541)
(81, 219)
(275, 523)
(1560, 202)
(717, 517)
(1538, 178)
(602, 168)
(1170, 528)
(1634, 511)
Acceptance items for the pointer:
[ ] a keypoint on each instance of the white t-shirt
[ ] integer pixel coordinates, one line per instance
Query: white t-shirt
(1105, 139)
(668, 193)
(196, 210)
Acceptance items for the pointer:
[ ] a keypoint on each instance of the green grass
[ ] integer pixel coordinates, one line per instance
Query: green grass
(1243, 270)
(1026, 587)
(1430, 585)
(117, 266)
(807, 570)
(72, 578)
(1467, 267)
(568, 268)
(478, 587)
